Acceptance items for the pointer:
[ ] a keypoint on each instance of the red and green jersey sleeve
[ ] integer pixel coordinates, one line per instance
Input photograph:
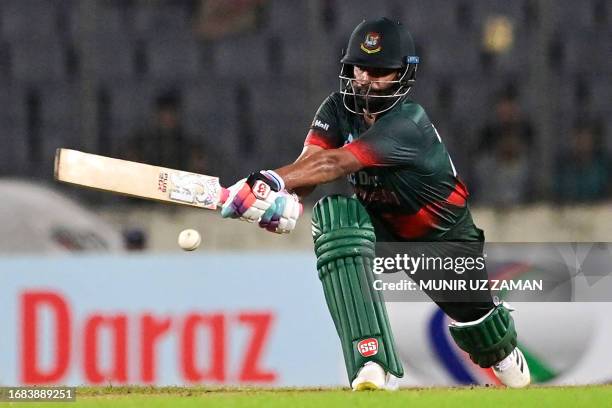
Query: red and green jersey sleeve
(325, 128)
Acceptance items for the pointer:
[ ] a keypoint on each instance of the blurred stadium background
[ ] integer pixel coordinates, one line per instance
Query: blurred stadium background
(519, 90)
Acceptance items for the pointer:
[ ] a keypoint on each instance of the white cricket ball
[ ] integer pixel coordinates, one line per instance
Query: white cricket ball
(189, 239)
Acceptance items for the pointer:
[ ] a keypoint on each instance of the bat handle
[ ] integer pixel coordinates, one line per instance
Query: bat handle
(224, 195)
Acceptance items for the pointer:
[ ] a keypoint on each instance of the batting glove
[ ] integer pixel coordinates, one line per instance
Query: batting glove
(249, 198)
(282, 215)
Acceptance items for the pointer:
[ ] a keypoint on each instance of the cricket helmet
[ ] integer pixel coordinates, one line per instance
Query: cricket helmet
(380, 43)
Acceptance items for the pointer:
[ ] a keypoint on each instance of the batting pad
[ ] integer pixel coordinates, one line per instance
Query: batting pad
(344, 242)
(488, 340)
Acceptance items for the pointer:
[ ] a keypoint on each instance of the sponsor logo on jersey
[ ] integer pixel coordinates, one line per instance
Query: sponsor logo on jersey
(364, 179)
(368, 347)
(371, 44)
(320, 124)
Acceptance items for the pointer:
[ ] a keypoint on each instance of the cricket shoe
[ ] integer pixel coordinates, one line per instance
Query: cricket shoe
(513, 370)
(373, 377)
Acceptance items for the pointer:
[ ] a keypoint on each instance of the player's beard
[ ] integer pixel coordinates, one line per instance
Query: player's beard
(372, 105)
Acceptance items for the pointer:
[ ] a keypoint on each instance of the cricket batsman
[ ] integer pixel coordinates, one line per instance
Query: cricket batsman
(406, 190)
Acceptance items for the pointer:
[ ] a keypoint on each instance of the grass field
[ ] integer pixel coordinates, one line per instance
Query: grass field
(120, 397)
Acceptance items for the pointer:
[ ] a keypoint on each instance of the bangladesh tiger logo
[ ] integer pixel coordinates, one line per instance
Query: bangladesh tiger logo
(371, 44)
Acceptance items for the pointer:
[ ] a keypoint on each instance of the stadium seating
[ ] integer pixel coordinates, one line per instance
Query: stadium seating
(131, 51)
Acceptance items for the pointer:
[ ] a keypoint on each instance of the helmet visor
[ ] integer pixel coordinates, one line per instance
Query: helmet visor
(374, 96)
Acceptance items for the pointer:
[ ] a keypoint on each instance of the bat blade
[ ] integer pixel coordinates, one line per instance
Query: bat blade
(138, 179)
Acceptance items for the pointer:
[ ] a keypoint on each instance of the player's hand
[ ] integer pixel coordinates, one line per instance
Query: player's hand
(283, 214)
(249, 198)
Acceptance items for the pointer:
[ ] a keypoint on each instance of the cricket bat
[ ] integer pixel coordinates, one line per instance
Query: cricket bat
(138, 179)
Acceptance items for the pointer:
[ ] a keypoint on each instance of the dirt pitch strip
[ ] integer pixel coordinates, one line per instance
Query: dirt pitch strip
(187, 397)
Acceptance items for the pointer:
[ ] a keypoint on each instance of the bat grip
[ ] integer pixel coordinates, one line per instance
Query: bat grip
(224, 195)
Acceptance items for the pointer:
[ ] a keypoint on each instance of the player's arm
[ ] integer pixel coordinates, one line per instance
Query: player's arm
(266, 197)
(322, 159)
(263, 197)
(308, 150)
(318, 166)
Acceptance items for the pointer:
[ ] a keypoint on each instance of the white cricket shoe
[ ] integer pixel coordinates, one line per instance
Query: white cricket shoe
(373, 377)
(513, 371)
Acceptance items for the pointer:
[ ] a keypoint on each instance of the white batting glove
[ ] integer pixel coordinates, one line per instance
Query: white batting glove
(281, 217)
(249, 198)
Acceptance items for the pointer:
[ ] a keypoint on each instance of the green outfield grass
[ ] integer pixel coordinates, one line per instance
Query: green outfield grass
(120, 397)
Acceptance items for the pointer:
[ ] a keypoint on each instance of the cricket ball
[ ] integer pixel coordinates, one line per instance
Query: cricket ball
(189, 239)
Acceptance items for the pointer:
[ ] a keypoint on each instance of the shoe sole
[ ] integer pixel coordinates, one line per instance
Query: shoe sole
(366, 386)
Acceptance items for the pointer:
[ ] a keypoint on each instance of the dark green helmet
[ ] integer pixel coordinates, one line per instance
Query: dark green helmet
(379, 43)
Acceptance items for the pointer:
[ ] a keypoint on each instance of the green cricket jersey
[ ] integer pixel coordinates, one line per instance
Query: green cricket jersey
(408, 182)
